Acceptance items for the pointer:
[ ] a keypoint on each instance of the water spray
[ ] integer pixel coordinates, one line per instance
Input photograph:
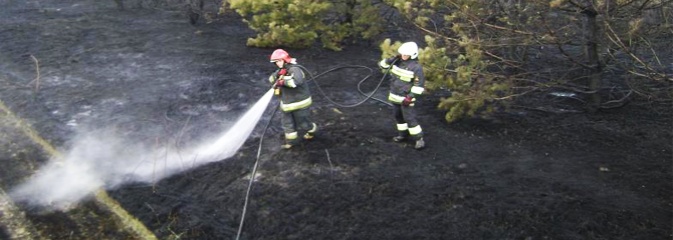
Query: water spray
(101, 159)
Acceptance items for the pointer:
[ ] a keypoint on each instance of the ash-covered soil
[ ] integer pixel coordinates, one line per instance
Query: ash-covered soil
(522, 174)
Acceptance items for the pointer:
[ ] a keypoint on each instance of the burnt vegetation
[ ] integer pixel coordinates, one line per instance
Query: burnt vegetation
(544, 119)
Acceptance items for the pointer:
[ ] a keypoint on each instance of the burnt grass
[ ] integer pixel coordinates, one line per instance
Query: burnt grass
(520, 174)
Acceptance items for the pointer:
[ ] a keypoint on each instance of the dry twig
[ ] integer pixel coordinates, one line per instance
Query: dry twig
(37, 71)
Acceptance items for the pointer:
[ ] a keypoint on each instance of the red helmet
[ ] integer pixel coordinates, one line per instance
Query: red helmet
(280, 54)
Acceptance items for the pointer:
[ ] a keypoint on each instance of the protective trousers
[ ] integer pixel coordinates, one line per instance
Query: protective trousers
(407, 125)
(297, 120)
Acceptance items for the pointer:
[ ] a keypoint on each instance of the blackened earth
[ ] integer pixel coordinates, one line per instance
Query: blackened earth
(521, 174)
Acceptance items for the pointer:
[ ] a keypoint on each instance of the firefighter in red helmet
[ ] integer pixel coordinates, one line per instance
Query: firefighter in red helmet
(295, 98)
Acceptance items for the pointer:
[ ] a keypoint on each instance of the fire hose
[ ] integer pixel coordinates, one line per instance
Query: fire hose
(266, 127)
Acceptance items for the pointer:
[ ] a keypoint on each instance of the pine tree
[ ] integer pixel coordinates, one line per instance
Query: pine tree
(300, 23)
(500, 49)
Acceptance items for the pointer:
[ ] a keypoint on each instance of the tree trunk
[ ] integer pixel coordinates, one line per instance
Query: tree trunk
(591, 49)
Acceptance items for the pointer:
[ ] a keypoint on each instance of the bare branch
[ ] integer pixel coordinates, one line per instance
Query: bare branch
(653, 74)
(37, 77)
(508, 29)
(619, 102)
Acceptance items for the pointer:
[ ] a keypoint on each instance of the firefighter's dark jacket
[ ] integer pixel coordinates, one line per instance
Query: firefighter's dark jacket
(407, 78)
(295, 94)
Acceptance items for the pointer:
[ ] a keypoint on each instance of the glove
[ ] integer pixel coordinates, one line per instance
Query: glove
(407, 100)
(280, 82)
(282, 72)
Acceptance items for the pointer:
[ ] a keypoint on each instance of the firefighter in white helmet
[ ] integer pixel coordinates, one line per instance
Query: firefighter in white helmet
(407, 84)
(295, 98)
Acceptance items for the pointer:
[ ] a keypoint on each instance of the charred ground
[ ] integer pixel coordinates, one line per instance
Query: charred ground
(521, 174)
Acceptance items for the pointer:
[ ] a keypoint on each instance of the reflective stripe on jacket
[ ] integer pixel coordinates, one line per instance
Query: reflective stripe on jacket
(407, 79)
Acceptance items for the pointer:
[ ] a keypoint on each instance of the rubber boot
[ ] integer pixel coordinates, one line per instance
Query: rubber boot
(401, 136)
(311, 133)
(287, 145)
(420, 144)
(289, 142)
(309, 136)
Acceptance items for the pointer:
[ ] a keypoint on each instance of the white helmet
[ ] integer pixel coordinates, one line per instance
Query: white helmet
(409, 48)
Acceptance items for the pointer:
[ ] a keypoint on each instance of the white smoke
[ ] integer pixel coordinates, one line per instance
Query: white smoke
(102, 160)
